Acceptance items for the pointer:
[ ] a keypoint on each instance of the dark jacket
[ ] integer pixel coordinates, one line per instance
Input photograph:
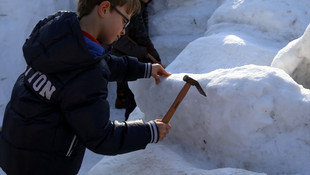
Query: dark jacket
(138, 32)
(58, 105)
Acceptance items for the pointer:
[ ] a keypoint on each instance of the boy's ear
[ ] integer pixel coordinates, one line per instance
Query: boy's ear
(103, 8)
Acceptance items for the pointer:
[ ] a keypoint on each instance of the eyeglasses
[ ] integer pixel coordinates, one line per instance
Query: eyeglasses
(120, 13)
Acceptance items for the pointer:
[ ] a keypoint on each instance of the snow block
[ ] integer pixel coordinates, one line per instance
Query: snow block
(255, 118)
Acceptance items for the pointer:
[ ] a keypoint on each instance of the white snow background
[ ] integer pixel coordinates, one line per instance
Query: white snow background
(256, 117)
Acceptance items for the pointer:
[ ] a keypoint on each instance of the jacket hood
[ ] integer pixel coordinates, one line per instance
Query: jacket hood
(57, 44)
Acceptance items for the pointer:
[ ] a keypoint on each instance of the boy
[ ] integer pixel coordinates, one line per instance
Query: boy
(136, 43)
(58, 105)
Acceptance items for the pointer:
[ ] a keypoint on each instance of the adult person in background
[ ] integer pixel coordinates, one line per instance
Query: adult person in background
(136, 43)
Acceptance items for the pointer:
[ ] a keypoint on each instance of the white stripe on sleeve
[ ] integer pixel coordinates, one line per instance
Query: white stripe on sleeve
(154, 132)
(148, 70)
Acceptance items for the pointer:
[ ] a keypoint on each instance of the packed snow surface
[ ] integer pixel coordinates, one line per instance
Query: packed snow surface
(255, 118)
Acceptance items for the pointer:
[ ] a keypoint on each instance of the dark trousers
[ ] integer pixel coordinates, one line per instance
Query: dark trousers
(130, 98)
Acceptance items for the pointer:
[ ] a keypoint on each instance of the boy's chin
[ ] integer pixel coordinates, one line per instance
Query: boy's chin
(110, 41)
(106, 41)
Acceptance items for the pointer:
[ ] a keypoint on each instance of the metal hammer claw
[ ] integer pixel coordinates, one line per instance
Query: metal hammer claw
(189, 82)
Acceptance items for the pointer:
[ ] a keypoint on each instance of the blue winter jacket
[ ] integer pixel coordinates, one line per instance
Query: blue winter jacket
(59, 104)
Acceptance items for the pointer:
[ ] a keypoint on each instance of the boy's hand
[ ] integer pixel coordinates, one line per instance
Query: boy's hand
(163, 129)
(158, 70)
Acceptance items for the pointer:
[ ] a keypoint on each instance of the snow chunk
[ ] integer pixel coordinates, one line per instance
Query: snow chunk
(295, 59)
(255, 118)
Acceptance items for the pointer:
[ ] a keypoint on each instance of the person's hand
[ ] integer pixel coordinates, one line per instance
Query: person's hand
(163, 129)
(158, 70)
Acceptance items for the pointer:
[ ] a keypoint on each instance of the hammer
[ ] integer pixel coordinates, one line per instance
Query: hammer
(189, 82)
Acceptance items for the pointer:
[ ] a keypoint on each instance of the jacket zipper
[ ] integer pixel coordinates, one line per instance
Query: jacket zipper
(72, 146)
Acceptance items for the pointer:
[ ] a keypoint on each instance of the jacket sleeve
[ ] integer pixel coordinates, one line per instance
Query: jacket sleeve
(86, 110)
(126, 68)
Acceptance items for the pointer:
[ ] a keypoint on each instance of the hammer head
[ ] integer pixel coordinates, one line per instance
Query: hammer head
(193, 82)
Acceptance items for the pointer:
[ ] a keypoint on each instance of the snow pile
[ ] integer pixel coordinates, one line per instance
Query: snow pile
(255, 117)
(295, 59)
(252, 118)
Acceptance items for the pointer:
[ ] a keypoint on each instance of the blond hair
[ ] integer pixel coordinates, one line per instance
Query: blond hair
(85, 7)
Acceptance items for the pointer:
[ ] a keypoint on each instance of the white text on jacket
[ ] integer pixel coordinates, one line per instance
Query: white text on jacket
(40, 83)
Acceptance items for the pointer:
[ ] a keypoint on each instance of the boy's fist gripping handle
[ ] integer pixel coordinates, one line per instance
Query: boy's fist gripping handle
(189, 81)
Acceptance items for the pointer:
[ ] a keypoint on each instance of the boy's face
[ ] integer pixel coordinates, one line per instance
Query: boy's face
(112, 27)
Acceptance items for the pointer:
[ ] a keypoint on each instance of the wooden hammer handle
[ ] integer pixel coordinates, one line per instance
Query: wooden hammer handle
(176, 103)
(149, 56)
